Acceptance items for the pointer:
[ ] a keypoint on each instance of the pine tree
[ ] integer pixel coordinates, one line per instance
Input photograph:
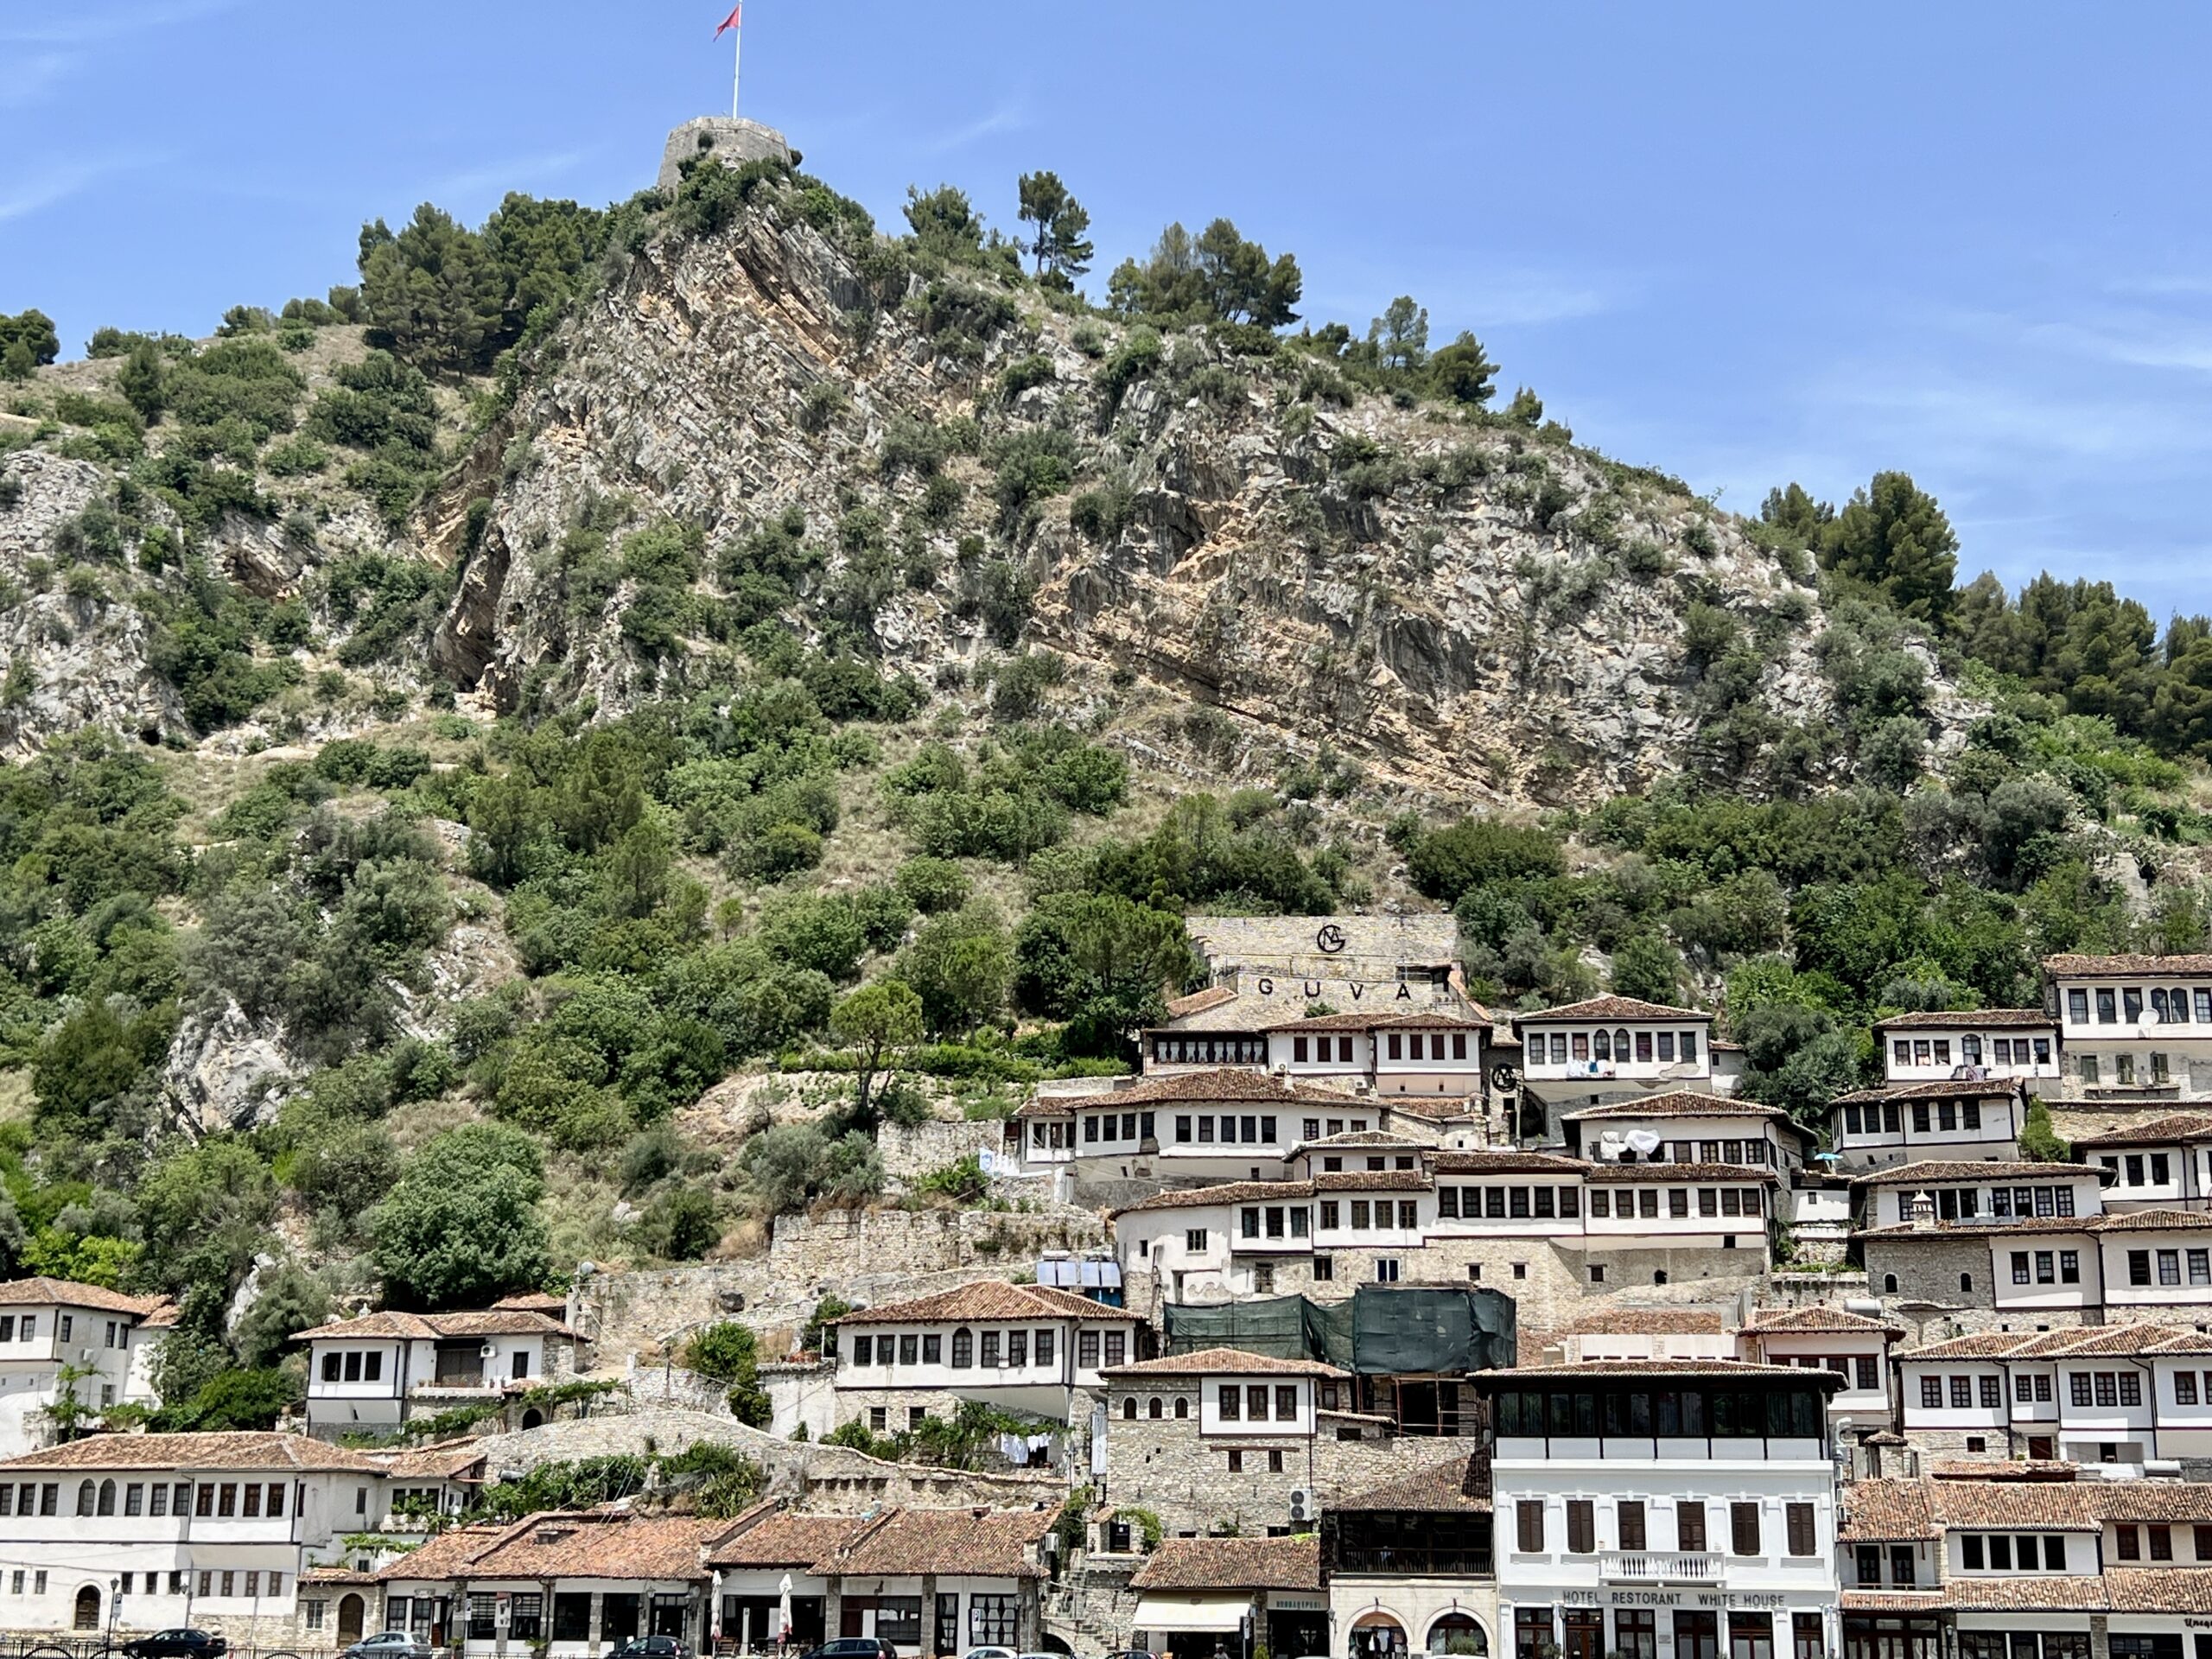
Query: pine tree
(1400, 335)
(1894, 537)
(1062, 246)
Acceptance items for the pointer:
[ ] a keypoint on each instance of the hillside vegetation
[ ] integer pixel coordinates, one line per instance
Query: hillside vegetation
(540, 754)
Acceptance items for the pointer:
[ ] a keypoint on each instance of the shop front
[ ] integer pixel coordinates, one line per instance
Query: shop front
(1628, 1622)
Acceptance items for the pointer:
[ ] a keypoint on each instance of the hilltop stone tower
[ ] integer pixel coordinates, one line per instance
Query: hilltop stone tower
(731, 140)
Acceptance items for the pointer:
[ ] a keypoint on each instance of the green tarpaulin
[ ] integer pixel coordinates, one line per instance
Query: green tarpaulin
(1384, 1330)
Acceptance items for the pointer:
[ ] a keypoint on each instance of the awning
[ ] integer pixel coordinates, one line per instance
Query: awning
(1210, 1613)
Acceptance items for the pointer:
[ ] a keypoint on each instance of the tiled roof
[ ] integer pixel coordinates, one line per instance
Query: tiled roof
(2003, 1469)
(2076, 1341)
(1437, 1020)
(2043, 1227)
(1675, 1103)
(954, 1543)
(1968, 1169)
(1608, 1008)
(1370, 1180)
(1643, 1322)
(2076, 966)
(1359, 1138)
(1965, 1020)
(424, 1328)
(243, 1449)
(782, 1538)
(2118, 1589)
(1232, 1564)
(69, 1293)
(162, 1317)
(446, 1557)
(1824, 1321)
(2073, 1592)
(2048, 1505)
(1893, 1601)
(1886, 1511)
(1733, 1173)
(2153, 1500)
(1634, 1368)
(1213, 996)
(1506, 1163)
(2173, 1127)
(443, 1461)
(1199, 1197)
(1223, 1361)
(598, 1544)
(533, 1301)
(986, 1298)
(1980, 1344)
(1237, 1085)
(2152, 1221)
(1940, 1089)
(2159, 1589)
(1458, 1484)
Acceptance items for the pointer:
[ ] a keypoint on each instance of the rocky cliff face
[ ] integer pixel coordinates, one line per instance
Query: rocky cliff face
(1476, 610)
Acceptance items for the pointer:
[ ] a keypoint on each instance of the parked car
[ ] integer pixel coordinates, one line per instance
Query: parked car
(855, 1647)
(180, 1644)
(388, 1644)
(653, 1647)
(989, 1653)
(1131, 1653)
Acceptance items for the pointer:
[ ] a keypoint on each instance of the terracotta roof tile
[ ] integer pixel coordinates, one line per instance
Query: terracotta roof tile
(2079, 966)
(1506, 1163)
(2048, 1505)
(1978, 1345)
(1965, 1020)
(533, 1301)
(446, 1460)
(446, 1557)
(1675, 1102)
(244, 1449)
(1633, 1368)
(1893, 1601)
(1456, 1485)
(1608, 1008)
(1886, 1511)
(986, 1298)
(598, 1544)
(1733, 1173)
(1938, 1088)
(782, 1538)
(1236, 1084)
(1837, 1320)
(2159, 1589)
(1968, 1169)
(2173, 1127)
(2073, 1592)
(1223, 1362)
(1370, 1180)
(424, 1328)
(1213, 996)
(2152, 1500)
(1359, 1138)
(1232, 1564)
(2003, 1469)
(70, 1293)
(2152, 1221)
(962, 1543)
(1199, 1197)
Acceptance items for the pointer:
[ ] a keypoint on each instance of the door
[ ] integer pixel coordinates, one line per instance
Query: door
(948, 1622)
(1583, 1633)
(618, 1616)
(87, 1615)
(351, 1611)
(1697, 1636)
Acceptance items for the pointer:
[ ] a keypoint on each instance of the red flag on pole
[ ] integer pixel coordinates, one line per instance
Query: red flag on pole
(733, 21)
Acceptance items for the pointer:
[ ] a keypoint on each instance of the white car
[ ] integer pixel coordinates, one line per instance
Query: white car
(989, 1653)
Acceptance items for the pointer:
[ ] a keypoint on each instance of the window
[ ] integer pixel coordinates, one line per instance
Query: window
(1931, 1393)
(1869, 1372)
(2161, 1541)
(1409, 1213)
(879, 1418)
(1325, 1269)
(1581, 1527)
(1798, 1519)
(1386, 1270)
(2169, 1266)
(1086, 1350)
(1743, 1529)
(863, 1350)
(1236, 1463)
(1529, 1524)
(1194, 1240)
(1264, 1279)
(2077, 1388)
(1961, 1393)
(963, 1349)
(992, 1620)
(2131, 1388)
(2070, 1266)
(1047, 1343)
(989, 1355)
(2019, 1267)
(1689, 1527)
(2184, 1387)
(909, 1348)
(1992, 1393)
(2107, 1392)
(1359, 1211)
(2128, 1543)
(1231, 1401)
(2139, 1266)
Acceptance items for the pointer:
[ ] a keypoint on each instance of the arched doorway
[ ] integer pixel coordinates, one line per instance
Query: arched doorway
(1377, 1634)
(533, 1418)
(349, 1619)
(87, 1615)
(1458, 1633)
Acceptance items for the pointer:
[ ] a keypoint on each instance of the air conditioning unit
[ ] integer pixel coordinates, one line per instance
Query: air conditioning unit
(1305, 1505)
(489, 1350)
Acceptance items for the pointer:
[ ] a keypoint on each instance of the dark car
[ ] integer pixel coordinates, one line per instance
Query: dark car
(181, 1644)
(652, 1647)
(854, 1647)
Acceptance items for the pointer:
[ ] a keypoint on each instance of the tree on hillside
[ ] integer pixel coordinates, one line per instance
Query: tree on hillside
(1101, 963)
(945, 223)
(881, 1017)
(1399, 336)
(1894, 537)
(431, 293)
(463, 1227)
(1062, 245)
(28, 340)
(1214, 273)
(1463, 372)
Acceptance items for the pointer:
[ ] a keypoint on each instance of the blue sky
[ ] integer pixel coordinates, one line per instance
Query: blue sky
(1742, 243)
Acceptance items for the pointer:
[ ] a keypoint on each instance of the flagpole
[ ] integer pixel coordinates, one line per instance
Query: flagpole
(736, 58)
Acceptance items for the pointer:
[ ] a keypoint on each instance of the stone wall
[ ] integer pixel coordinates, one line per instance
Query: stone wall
(909, 1153)
(864, 1255)
(731, 140)
(1926, 1267)
(1294, 945)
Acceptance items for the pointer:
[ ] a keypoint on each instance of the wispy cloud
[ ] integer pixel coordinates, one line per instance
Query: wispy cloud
(34, 75)
(507, 173)
(43, 190)
(1008, 118)
(92, 25)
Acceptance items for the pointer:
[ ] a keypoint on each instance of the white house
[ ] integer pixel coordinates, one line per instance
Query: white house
(59, 1337)
(374, 1371)
(1946, 1190)
(1903, 1123)
(1218, 1124)
(1435, 1051)
(2020, 1044)
(211, 1529)
(1024, 1348)
(1680, 1127)
(2133, 1028)
(1856, 1348)
(1589, 1053)
(1695, 1498)
(1623, 1332)
(2165, 1163)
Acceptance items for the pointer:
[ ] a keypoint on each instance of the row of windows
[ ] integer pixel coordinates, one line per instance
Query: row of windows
(1275, 1217)
(2123, 1069)
(222, 1498)
(1313, 1128)
(1664, 1413)
(2128, 1543)
(2172, 1006)
(1515, 1202)
(1324, 1049)
(2169, 1264)
(1697, 1634)
(1962, 1392)
(1866, 1368)
(2005, 1203)
(2133, 1171)
(2020, 1552)
(1408, 1214)
(1886, 1117)
(928, 1349)
(1255, 1131)
(1801, 1536)
(1250, 1402)
(2068, 1267)
(251, 1584)
(353, 1367)
(1749, 1201)
(1936, 1051)
(1560, 1047)
(1333, 1163)
(1118, 1126)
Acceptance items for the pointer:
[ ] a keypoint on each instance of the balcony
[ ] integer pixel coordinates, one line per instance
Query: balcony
(1659, 1567)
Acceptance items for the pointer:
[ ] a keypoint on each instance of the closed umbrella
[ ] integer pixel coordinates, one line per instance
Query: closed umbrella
(784, 1609)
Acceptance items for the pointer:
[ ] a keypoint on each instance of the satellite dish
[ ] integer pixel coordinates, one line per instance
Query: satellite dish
(1504, 1077)
(1643, 1141)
